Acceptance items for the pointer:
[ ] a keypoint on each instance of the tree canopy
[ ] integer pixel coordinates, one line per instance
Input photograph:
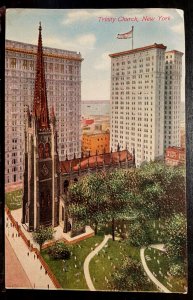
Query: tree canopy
(43, 234)
(150, 192)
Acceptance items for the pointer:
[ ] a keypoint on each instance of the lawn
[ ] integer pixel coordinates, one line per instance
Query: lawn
(71, 276)
(159, 263)
(110, 259)
(70, 273)
(13, 200)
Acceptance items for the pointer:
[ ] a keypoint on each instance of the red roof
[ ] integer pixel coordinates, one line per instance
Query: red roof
(94, 161)
(174, 51)
(88, 121)
(160, 46)
(175, 148)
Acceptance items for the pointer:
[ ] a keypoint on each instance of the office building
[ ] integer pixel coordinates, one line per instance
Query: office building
(63, 78)
(173, 77)
(140, 107)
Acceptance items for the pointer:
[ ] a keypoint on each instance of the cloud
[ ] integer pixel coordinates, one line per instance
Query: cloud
(82, 15)
(82, 43)
(103, 63)
(86, 40)
(178, 28)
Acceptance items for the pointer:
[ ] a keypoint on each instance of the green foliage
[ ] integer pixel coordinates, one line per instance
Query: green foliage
(177, 269)
(172, 272)
(13, 199)
(138, 235)
(161, 187)
(130, 277)
(176, 236)
(59, 251)
(70, 272)
(43, 234)
(150, 192)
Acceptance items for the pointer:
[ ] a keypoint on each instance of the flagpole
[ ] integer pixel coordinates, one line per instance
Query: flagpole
(132, 37)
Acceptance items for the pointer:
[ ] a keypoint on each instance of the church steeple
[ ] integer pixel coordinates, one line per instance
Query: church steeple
(40, 109)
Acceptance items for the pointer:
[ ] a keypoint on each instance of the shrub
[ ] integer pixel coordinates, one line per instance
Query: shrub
(59, 251)
(138, 235)
(43, 234)
(130, 276)
(177, 269)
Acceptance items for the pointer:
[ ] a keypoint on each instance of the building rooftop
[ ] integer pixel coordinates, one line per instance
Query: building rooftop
(174, 51)
(145, 48)
(84, 163)
(26, 48)
(95, 133)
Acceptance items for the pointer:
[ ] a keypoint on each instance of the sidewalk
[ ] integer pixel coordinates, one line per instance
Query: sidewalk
(88, 259)
(160, 286)
(15, 276)
(58, 235)
(31, 263)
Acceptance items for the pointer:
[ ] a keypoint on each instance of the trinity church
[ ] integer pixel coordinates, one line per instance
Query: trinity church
(46, 179)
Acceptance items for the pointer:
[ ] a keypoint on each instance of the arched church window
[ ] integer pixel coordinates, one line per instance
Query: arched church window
(47, 150)
(41, 150)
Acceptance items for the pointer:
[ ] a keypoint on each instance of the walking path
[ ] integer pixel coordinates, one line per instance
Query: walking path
(88, 259)
(15, 276)
(30, 260)
(150, 275)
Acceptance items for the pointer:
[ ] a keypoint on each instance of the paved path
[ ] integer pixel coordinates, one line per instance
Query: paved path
(36, 272)
(88, 259)
(15, 276)
(150, 275)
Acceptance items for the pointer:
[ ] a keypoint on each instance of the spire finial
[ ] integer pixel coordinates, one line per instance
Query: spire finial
(40, 26)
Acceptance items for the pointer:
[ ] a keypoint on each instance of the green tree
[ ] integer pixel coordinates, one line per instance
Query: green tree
(119, 197)
(87, 203)
(176, 237)
(77, 207)
(96, 199)
(139, 234)
(130, 277)
(43, 234)
(176, 244)
(59, 251)
(162, 189)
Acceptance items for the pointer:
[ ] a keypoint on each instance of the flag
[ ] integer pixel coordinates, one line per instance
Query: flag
(126, 35)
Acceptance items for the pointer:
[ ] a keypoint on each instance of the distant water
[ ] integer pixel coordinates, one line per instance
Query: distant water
(102, 107)
(93, 108)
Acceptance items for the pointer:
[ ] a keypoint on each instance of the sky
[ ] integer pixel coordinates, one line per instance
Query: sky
(92, 32)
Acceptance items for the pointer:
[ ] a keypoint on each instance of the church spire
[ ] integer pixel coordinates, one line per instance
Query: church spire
(40, 109)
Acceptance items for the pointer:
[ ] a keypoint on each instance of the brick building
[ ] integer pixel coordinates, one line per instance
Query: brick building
(95, 143)
(175, 156)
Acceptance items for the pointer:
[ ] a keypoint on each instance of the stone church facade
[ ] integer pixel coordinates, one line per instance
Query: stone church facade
(46, 179)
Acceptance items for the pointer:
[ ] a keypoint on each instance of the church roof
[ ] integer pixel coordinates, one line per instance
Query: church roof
(94, 161)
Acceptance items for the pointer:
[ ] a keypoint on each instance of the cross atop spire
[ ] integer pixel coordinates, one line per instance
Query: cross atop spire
(40, 109)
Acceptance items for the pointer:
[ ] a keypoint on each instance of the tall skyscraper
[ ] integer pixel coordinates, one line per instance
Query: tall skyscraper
(138, 101)
(173, 77)
(63, 77)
